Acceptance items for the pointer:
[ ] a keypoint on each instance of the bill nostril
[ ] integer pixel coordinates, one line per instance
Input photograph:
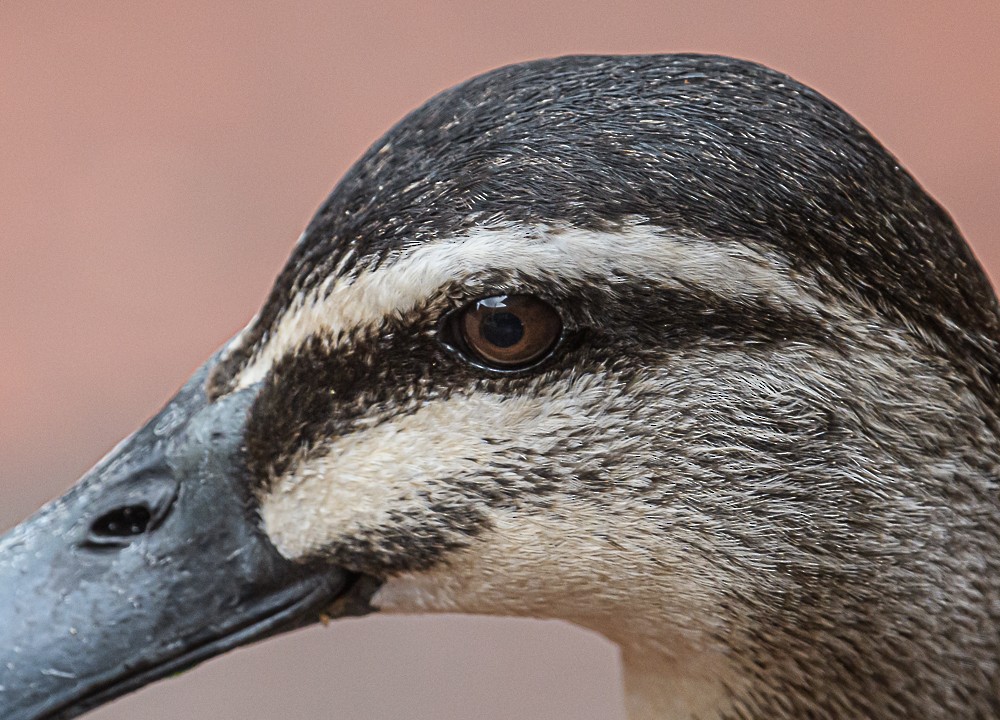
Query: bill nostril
(122, 523)
(130, 510)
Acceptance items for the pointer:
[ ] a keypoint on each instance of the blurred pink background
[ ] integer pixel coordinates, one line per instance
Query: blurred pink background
(158, 161)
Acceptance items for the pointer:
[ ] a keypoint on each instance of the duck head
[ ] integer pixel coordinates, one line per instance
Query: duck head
(668, 347)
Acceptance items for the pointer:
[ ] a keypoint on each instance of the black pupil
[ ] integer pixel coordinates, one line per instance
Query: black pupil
(502, 329)
(130, 520)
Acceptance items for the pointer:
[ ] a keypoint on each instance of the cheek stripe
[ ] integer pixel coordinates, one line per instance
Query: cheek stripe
(324, 390)
(407, 467)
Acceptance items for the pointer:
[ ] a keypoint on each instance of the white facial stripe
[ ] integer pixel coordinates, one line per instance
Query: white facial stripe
(566, 255)
(363, 476)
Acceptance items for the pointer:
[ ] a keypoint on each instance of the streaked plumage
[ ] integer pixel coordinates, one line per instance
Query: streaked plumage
(763, 456)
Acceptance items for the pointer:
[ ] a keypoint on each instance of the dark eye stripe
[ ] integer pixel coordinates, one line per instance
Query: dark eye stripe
(322, 389)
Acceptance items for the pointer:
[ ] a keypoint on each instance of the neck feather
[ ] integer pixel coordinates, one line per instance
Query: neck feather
(686, 686)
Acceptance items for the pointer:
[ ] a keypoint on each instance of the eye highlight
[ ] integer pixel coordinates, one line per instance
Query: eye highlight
(508, 332)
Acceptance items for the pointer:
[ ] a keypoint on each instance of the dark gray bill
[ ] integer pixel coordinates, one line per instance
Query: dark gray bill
(152, 563)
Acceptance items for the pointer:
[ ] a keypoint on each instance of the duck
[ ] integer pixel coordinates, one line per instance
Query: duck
(669, 347)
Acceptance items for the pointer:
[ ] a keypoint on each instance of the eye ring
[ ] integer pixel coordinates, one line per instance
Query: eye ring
(504, 332)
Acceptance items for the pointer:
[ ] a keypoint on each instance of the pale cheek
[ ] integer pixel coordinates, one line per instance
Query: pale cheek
(366, 478)
(494, 577)
(524, 567)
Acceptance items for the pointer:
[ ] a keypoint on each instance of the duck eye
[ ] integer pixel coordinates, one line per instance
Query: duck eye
(509, 331)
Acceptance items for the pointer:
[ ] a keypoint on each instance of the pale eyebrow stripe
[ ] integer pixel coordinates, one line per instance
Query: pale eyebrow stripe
(341, 305)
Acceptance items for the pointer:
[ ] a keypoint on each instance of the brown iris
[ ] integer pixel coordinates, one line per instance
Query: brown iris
(510, 331)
